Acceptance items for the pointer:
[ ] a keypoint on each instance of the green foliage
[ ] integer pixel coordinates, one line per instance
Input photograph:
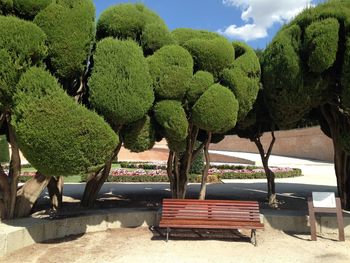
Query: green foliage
(120, 84)
(9, 76)
(216, 110)
(22, 44)
(136, 22)
(211, 55)
(171, 69)
(140, 135)
(283, 80)
(155, 36)
(182, 35)
(199, 83)
(345, 81)
(321, 40)
(70, 28)
(259, 175)
(28, 9)
(4, 150)
(171, 116)
(56, 135)
(243, 78)
(177, 146)
(5, 6)
(306, 65)
(198, 162)
(344, 140)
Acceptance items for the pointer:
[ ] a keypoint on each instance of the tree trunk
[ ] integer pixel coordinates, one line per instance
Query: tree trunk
(55, 188)
(5, 195)
(178, 166)
(203, 189)
(93, 186)
(29, 193)
(15, 170)
(339, 125)
(270, 176)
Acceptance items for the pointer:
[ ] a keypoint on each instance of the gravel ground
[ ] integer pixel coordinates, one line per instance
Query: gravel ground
(143, 245)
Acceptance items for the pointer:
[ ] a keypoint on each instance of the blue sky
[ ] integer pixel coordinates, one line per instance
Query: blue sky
(253, 21)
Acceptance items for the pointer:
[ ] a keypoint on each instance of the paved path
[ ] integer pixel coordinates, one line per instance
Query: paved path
(142, 245)
(292, 192)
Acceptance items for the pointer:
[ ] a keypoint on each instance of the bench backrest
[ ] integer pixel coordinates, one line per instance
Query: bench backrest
(211, 209)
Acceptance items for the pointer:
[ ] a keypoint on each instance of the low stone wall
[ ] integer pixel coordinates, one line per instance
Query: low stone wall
(306, 143)
(19, 233)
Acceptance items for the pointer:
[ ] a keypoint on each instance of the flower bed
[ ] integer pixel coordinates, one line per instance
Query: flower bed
(26, 176)
(214, 175)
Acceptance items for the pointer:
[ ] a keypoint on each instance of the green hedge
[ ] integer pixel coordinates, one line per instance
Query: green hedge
(260, 175)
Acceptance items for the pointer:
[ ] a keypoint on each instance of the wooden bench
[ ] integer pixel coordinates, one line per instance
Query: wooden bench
(211, 214)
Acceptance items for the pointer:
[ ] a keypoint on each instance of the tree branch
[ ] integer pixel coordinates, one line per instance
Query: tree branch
(271, 144)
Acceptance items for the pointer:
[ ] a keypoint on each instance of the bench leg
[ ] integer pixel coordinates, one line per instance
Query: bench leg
(167, 233)
(253, 237)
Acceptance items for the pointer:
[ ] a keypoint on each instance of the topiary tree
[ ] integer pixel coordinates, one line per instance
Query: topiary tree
(37, 112)
(42, 113)
(203, 102)
(307, 66)
(70, 42)
(120, 91)
(22, 45)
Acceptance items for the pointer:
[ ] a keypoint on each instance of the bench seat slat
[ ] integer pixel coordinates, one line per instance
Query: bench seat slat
(210, 224)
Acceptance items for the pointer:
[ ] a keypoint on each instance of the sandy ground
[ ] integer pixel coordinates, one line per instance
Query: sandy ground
(143, 245)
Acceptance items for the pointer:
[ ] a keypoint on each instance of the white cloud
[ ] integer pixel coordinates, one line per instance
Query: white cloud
(260, 15)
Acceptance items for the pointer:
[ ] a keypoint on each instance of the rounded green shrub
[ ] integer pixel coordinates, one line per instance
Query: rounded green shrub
(70, 29)
(136, 22)
(56, 135)
(199, 83)
(120, 84)
(216, 110)
(177, 146)
(182, 35)
(171, 68)
(4, 150)
(322, 44)
(171, 116)
(211, 55)
(155, 36)
(243, 78)
(140, 135)
(22, 44)
(28, 9)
